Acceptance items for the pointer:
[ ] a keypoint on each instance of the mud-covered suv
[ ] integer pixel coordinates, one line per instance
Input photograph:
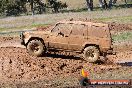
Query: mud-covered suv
(70, 38)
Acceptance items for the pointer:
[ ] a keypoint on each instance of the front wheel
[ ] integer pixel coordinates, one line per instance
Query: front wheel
(35, 47)
(91, 54)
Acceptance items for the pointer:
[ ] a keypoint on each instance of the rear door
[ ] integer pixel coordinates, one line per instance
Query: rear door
(99, 34)
(77, 37)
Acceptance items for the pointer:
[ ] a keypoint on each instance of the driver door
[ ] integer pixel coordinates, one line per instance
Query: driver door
(58, 39)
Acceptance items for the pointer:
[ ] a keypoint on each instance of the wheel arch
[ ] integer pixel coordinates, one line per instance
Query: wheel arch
(86, 45)
(33, 38)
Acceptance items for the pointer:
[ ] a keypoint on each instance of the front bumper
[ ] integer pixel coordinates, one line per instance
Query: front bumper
(22, 38)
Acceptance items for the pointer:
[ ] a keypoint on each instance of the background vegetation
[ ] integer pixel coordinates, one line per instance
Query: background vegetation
(27, 7)
(66, 9)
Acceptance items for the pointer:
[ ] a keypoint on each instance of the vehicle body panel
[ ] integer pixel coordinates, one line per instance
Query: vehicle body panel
(73, 36)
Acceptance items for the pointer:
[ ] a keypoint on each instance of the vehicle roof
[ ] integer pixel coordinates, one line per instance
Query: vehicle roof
(83, 23)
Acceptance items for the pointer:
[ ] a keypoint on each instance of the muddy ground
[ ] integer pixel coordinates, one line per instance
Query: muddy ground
(19, 70)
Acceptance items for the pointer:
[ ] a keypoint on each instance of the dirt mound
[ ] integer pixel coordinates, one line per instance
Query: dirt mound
(119, 27)
(41, 28)
(5, 39)
(16, 65)
(10, 42)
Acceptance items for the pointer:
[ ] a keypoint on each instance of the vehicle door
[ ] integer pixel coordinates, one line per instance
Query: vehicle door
(78, 37)
(57, 39)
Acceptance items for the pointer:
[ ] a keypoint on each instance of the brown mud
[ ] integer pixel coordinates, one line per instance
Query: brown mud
(18, 67)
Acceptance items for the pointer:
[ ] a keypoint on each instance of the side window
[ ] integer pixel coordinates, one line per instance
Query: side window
(56, 28)
(99, 31)
(79, 29)
(65, 28)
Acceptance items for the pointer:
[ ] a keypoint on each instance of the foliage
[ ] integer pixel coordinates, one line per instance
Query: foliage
(56, 5)
(15, 7)
(12, 7)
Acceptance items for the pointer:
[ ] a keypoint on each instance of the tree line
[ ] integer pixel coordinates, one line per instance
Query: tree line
(104, 4)
(16, 7)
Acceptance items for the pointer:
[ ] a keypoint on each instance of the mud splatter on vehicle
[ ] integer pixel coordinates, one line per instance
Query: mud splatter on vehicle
(70, 37)
(19, 69)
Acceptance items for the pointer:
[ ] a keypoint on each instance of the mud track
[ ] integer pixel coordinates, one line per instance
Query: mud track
(17, 66)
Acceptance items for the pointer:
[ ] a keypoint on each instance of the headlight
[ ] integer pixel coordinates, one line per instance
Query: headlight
(21, 35)
(22, 38)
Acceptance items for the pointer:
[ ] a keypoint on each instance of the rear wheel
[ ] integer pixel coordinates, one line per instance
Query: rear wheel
(91, 54)
(35, 47)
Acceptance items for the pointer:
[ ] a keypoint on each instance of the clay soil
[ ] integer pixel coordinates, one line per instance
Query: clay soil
(20, 70)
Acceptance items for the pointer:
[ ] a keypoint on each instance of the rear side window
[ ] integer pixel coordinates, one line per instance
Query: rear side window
(79, 29)
(98, 31)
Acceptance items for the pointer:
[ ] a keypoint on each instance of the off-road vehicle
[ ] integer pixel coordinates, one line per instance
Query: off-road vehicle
(70, 37)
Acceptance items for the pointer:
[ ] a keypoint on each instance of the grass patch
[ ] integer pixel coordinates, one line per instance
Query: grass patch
(23, 27)
(125, 36)
(39, 25)
(2, 29)
(123, 19)
(21, 22)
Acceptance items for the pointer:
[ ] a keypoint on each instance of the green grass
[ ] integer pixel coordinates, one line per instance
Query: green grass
(123, 19)
(23, 27)
(2, 29)
(39, 25)
(21, 22)
(125, 36)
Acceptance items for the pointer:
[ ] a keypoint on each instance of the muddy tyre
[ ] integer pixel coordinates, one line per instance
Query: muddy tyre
(91, 54)
(35, 48)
